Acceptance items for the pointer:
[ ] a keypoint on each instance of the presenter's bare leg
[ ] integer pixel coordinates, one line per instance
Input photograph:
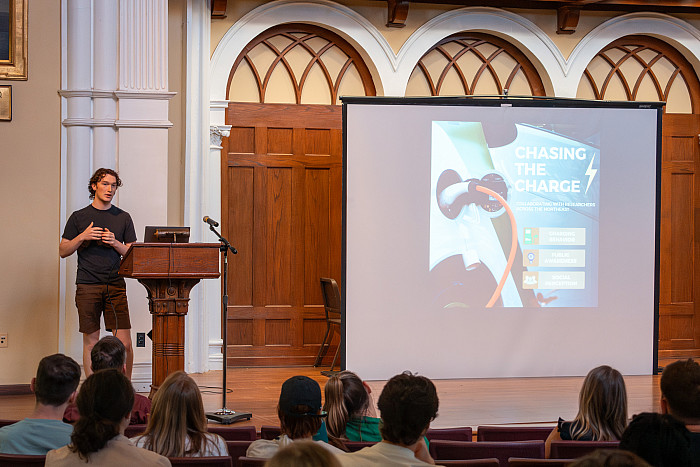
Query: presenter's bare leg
(124, 335)
(89, 341)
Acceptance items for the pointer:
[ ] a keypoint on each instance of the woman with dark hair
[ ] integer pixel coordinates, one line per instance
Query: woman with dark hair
(177, 426)
(602, 409)
(351, 413)
(104, 402)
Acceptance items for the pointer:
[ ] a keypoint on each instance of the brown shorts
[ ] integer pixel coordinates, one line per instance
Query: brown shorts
(92, 301)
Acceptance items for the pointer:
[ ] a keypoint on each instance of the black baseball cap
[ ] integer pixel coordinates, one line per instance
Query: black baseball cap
(301, 390)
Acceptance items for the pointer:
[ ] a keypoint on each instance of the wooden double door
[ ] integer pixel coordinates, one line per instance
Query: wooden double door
(282, 203)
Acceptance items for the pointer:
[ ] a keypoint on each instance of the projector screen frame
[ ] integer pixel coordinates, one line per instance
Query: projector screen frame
(511, 101)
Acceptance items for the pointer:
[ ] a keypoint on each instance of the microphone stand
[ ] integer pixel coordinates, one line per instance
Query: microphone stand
(224, 415)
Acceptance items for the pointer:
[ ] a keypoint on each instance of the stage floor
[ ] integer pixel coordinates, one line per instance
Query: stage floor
(463, 402)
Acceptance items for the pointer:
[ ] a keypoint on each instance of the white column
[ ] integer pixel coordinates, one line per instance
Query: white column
(77, 112)
(106, 60)
(115, 91)
(142, 139)
(205, 304)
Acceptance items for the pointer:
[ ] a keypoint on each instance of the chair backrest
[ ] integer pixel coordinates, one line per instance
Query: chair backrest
(491, 462)
(575, 449)
(5, 422)
(223, 461)
(457, 450)
(462, 433)
(231, 433)
(357, 445)
(512, 433)
(250, 461)
(522, 462)
(11, 460)
(270, 432)
(331, 297)
(134, 430)
(237, 448)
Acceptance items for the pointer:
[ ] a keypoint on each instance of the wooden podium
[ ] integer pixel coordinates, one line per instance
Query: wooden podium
(169, 271)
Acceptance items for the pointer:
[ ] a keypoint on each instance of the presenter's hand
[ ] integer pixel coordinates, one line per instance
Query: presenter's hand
(108, 238)
(92, 233)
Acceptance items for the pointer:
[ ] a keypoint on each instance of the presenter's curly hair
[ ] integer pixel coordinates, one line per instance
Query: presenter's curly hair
(105, 399)
(408, 404)
(99, 175)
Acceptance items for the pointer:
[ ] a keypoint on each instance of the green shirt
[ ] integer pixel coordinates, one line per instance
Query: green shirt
(366, 429)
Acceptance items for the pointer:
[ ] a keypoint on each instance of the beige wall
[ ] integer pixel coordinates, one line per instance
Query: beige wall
(30, 156)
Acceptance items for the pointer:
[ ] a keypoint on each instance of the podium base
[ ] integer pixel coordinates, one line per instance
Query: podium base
(226, 417)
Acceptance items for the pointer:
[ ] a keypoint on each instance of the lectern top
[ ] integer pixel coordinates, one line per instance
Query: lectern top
(171, 260)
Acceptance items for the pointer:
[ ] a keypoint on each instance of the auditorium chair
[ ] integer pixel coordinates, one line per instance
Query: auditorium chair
(462, 433)
(4, 422)
(237, 448)
(457, 450)
(134, 430)
(270, 432)
(250, 461)
(331, 302)
(512, 433)
(12, 460)
(491, 462)
(223, 461)
(575, 449)
(523, 462)
(231, 433)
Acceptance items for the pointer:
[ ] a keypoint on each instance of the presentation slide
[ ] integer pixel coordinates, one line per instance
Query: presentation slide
(500, 239)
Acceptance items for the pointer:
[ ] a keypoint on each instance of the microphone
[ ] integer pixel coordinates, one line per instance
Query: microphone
(210, 221)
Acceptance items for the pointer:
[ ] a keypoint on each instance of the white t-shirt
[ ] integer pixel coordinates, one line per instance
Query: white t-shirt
(215, 448)
(266, 448)
(382, 453)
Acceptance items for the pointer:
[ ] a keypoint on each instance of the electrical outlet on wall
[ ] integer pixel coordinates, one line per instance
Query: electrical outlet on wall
(140, 339)
(3, 339)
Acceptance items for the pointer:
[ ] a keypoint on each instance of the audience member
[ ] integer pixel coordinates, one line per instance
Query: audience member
(602, 409)
(407, 405)
(299, 412)
(177, 426)
(680, 397)
(303, 454)
(104, 402)
(351, 414)
(609, 458)
(54, 388)
(109, 352)
(661, 440)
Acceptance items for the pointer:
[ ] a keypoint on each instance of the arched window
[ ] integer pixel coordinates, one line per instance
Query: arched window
(641, 68)
(298, 64)
(474, 64)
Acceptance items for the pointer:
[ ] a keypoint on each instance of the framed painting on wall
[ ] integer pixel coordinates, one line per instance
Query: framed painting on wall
(5, 103)
(13, 39)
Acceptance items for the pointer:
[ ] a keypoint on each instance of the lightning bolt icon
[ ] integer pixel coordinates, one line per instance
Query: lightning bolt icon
(590, 172)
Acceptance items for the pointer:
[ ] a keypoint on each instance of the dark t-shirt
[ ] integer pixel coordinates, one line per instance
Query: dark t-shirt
(98, 263)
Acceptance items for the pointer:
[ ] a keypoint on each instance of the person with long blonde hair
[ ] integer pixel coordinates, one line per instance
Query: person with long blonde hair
(177, 426)
(602, 409)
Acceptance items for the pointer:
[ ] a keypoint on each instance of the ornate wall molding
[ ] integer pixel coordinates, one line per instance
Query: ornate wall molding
(217, 133)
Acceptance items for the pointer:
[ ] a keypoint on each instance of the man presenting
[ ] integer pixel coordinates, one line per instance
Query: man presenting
(101, 233)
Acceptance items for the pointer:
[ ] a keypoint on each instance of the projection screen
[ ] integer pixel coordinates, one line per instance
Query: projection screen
(499, 237)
